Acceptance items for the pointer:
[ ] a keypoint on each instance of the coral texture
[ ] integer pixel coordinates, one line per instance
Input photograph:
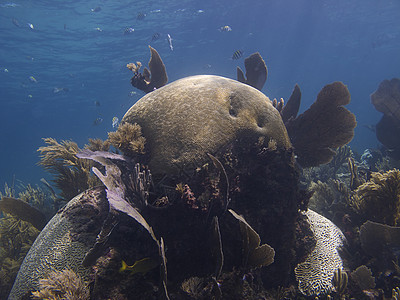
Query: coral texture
(63, 242)
(315, 274)
(193, 116)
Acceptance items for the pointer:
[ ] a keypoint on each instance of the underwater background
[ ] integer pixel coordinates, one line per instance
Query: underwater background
(63, 63)
(64, 77)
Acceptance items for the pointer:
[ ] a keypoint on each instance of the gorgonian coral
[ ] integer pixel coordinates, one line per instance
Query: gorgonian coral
(71, 174)
(65, 284)
(128, 138)
(379, 198)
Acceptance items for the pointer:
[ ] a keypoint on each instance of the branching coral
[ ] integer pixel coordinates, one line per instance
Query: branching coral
(72, 175)
(128, 138)
(65, 284)
(379, 199)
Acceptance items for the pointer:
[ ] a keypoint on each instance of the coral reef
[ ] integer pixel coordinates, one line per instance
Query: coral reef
(379, 199)
(65, 284)
(149, 80)
(209, 182)
(256, 71)
(129, 139)
(314, 144)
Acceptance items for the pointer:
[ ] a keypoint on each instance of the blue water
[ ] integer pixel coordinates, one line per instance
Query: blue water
(308, 42)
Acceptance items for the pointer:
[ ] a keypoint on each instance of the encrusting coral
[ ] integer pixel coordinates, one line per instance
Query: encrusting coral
(65, 284)
(379, 198)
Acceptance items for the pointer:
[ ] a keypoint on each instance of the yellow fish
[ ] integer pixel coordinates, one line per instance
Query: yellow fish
(140, 266)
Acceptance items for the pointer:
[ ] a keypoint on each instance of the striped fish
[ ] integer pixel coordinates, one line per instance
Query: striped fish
(237, 54)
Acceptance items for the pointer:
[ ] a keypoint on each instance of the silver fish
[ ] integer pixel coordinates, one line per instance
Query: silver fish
(170, 42)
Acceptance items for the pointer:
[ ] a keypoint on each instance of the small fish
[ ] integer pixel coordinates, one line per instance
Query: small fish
(30, 96)
(237, 54)
(96, 9)
(200, 11)
(5, 70)
(98, 29)
(370, 127)
(155, 36)
(170, 42)
(98, 121)
(141, 16)
(155, 11)
(16, 22)
(97, 103)
(33, 79)
(140, 266)
(60, 89)
(132, 93)
(8, 5)
(225, 28)
(30, 25)
(129, 30)
(115, 122)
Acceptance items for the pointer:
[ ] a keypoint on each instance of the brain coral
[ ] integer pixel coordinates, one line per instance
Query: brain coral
(64, 241)
(315, 274)
(193, 116)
